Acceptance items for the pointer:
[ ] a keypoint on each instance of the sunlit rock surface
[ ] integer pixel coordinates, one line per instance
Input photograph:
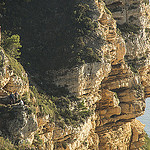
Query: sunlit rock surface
(113, 89)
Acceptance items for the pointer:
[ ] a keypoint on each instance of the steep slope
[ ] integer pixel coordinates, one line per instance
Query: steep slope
(15, 121)
(99, 76)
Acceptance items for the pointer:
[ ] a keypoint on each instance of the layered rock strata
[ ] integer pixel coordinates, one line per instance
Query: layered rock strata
(16, 121)
(114, 90)
(111, 88)
(11, 80)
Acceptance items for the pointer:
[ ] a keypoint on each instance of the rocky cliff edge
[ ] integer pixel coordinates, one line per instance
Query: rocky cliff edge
(113, 89)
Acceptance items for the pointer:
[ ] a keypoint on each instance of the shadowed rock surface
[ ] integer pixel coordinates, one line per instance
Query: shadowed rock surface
(93, 64)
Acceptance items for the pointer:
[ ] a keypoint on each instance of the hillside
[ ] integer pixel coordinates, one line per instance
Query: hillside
(88, 74)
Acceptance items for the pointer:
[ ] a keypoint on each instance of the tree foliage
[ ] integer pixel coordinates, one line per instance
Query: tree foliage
(11, 44)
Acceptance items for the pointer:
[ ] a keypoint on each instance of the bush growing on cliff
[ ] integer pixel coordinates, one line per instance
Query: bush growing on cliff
(5, 144)
(62, 110)
(52, 42)
(83, 26)
(37, 142)
(60, 145)
(108, 11)
(135, 63)
(147, 30)
(17, 68)
(44, 103)
(72, 110)
(82, 21)
(11, 44)
(147, 143)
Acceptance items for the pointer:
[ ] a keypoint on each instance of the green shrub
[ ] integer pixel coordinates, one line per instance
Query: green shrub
(83, 26)
(43, 47)
(31, 94)
(72, 116)
(84, 114)
(43, 102)
(81, 18)
(146, 146)
(118, 31)
(11, 44)
(59, 108)
(136, 63)
(37, 141)
(60, 145)
(1, 61)
(25, 146)
(57, 145)
(5, 144)
(17, 68)
(133, 68)
(25, 98)
(81, 105)
(64, 145)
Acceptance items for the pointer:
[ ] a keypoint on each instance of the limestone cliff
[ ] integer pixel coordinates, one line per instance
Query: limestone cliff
(113, 89)
(16, 123)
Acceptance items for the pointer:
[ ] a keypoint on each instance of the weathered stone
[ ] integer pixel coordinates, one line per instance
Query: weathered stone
(10, 81)
(17, 123)
(138, 137)
(115, 136)
(113, 89)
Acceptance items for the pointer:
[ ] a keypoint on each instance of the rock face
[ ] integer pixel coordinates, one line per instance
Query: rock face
(16, 121)
(113, 89)
(10, 80)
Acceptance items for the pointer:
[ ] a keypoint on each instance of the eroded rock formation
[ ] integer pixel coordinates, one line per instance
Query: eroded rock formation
(16, 122)
(114, 89)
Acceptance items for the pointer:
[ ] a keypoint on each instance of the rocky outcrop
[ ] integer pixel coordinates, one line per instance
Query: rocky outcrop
(12, 76)
(113, 89)
(133, 19)
(17, 124)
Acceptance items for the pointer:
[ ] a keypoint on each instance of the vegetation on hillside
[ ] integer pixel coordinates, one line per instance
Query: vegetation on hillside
(135, 63)
(146, 146)
(11, 44)
(5, 144)
(53, 33)
(62, 110)
(53, 36)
